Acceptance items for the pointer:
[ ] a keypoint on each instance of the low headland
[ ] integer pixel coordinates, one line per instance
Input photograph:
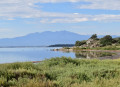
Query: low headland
(107, 43)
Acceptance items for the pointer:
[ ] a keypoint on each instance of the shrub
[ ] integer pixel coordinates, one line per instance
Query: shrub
(107, 74)
(79, 43)
(107, 40)
(61, 72)
(94, 36)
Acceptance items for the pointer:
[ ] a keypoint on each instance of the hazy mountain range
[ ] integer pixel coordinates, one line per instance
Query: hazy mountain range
(45, 39)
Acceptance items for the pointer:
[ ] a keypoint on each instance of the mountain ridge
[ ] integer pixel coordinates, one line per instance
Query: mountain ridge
(44, 39)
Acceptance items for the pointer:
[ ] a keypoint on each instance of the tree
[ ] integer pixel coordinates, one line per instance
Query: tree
(106, 40)
(79, 43)
(119, 40)
(116, 40)
(94, 36)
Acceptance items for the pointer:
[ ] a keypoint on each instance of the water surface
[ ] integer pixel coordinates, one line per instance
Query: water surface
(10, 55)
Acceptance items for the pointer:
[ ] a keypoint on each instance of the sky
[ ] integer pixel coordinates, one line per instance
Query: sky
(86, 17)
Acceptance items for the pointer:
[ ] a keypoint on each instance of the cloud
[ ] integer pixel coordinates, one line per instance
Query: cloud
(12, 9)
(101, 4)
(64, 20)
(2, 30)
(80, 18)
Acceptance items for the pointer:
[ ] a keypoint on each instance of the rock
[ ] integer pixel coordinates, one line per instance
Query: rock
(91, 43)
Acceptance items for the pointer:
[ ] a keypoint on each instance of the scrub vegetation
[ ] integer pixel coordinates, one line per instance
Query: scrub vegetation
(95, 42)
(61, 72)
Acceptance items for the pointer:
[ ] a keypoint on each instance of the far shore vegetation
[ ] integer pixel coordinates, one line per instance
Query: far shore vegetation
(105, 41)
(61, 72)
(95, 43)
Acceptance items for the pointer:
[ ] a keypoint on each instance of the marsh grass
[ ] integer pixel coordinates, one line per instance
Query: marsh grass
(61, 72)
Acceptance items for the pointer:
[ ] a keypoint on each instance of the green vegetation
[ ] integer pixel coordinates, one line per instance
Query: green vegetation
(66, 48)
(107, 48)
(105, 43)
(117, 40)
(97, 48)
(61, 72)
(107, 40)
(94, 36)
(79, 43)
(62, 45)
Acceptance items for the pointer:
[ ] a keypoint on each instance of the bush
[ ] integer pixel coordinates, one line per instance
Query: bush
(67, 48)
(79, 43)
(107, 40)
(61, 72)
(107, 74)
(94, 36)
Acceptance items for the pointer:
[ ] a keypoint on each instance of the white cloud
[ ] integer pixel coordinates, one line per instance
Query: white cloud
(11, 9)
(101, 4)
(74, 19)
(2, 30)
(64, 20)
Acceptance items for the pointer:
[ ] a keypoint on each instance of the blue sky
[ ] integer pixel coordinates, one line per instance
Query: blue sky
(21, 17)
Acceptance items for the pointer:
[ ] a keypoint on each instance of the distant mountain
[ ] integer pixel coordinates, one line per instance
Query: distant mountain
(44, 39)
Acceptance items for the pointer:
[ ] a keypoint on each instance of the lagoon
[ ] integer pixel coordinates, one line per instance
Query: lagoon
(25, 54)
(10, 55)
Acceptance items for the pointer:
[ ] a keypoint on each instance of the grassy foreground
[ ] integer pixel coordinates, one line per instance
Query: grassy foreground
(61, 72)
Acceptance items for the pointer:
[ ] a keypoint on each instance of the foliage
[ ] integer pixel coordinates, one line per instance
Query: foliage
(61, 72)
(94, 36)
(79, 43)
(117, 40)
(66, 48)
(107, 40)
(107, 48)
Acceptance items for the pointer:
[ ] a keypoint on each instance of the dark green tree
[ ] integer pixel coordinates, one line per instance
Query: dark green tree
(115, 41)
(79, 43)
(94, 36)
(119, 40)
(106, 40)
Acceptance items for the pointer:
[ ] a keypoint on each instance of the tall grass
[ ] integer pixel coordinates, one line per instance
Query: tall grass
(61, 72)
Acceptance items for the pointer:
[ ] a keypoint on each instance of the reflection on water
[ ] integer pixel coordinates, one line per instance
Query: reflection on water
(10, 55)
(92, 54)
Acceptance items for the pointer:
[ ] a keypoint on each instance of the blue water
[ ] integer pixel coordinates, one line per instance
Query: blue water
(10, 55)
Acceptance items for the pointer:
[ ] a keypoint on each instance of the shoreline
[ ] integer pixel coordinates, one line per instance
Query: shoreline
(72, 50)
(116, 56)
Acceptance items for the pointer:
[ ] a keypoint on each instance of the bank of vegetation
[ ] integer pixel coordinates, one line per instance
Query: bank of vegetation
(61, 72)
(62, 45)
(95, 43)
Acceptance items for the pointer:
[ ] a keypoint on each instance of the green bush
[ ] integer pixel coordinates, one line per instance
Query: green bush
(94, 36)
(79, 43)
(107, 40)
(107, 74)
(61, 72)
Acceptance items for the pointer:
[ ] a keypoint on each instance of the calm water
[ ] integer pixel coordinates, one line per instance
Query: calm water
(10, 55)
